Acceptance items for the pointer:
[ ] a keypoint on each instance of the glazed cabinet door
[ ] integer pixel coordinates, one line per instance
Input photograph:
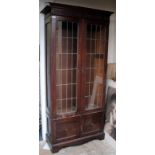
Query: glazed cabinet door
(66, 66)
(94, 78)
(94, 66)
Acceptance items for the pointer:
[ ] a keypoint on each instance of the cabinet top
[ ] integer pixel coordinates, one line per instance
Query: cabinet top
(74, 11)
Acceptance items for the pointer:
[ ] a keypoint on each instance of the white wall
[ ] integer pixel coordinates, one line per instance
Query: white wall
(108, 5)
(112, 40)
(42, 74)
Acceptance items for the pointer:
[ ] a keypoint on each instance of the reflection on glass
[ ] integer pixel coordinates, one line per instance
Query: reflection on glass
(66, 66)
(94, 66)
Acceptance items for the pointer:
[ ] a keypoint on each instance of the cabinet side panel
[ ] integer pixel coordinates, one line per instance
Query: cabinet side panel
(48, 81)
(53, 67)
(48, 45)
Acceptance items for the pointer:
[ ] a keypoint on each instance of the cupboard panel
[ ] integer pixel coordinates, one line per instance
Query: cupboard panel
(67, 129)
(92, 123)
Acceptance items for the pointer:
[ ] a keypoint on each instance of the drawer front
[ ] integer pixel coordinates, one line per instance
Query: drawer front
(92, 123)
(67, 129)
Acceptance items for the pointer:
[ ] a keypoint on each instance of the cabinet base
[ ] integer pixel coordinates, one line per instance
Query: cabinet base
(56, 147)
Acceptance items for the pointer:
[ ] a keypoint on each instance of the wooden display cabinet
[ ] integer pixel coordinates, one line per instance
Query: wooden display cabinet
(76, 52)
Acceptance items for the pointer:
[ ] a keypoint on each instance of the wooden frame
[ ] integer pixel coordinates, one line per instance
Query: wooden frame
(82, 125)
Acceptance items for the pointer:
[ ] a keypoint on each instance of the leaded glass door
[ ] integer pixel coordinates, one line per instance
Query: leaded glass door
(94, 67)
(66, 66)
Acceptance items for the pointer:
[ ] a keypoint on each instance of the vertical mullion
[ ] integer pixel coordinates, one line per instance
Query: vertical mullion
(66, 65)
(95, 41)
(61, 81)
(96, 57)
(72, 67)
(76, 66)
(61, 68)
(81, 63)
(100, 60)
(90, 61)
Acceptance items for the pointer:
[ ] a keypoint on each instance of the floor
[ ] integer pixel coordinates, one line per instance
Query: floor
(95, 147)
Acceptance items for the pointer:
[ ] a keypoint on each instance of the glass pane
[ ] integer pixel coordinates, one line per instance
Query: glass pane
(66, 67)
(94, 66)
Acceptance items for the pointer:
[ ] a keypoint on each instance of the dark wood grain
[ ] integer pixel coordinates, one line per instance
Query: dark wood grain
(53, 66)
(82, 125)
(75, 11)
(82, 49)
(78, 141)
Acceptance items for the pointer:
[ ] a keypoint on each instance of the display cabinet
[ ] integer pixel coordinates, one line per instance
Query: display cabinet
(76, 62)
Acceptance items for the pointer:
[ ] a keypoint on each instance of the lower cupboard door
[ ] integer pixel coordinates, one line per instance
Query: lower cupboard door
(92, 123)
(67, 129)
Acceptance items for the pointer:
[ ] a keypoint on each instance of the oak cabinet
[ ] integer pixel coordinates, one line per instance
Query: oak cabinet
(76, 62)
